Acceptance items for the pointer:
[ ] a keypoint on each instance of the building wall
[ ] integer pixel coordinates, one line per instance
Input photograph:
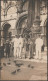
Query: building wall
(9, 13)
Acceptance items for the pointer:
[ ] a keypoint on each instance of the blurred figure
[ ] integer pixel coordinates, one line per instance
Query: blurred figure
(2, 50)
(16, 46)
(11, 49)
(39, 43)
(30, 48)
(7, 47)
(20, 45)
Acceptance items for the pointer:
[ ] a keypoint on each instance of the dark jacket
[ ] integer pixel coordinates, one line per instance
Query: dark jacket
(7, 47)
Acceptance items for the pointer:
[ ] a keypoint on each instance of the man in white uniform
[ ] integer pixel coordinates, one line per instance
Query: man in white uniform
(20, 45)
(39, 43)
(15, 40)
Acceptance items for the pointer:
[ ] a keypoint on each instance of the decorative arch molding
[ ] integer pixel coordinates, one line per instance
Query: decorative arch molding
(20, 19)
(12, 5)
(9, 6)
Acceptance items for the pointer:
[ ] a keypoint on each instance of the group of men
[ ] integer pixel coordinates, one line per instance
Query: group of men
(17, 47)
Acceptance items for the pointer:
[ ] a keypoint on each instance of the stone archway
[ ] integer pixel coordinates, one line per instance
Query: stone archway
(5, 32)
(21, 23)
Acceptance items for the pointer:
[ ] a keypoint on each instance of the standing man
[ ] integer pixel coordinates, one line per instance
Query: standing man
(30, 48)
(11, 49)
(39, 43)
(7, 47)
(16, 46)
(20, 45)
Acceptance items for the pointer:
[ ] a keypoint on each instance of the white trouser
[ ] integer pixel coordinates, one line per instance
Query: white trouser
(16, 51)
(38, 52)
(20, 50)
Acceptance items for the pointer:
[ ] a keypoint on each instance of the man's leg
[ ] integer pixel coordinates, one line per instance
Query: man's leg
(14, 51)
(20, 52)
(40, 53)
(17, 52)
(8, 55)
(36, 53)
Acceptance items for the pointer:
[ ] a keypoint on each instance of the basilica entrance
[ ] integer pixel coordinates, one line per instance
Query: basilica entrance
(6, 32)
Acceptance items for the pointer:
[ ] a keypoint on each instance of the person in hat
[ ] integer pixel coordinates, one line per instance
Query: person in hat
(39, 43)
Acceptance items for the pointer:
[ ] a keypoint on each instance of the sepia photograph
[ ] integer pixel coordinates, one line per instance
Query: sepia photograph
(23, 40)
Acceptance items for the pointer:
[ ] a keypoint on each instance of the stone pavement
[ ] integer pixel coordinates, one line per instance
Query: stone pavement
(23, 69)
(34, 60)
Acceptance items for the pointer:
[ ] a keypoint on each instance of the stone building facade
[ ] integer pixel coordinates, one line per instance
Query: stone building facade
(19, 15)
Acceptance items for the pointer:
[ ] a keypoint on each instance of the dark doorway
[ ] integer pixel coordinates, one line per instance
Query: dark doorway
(6, 31)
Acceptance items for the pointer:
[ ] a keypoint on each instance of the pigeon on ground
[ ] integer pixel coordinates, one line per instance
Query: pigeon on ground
(18, 70)
(4, 64)
(14, 72)
(29, 65)
(14, 62)
(32, 67)
(9, 63)
(18, 65)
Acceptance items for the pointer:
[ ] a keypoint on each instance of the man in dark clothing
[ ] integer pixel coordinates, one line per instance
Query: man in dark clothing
(2, 50)
(30, 49)
(7, 47)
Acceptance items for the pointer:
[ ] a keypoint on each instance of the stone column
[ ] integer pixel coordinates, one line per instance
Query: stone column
(37, 15)
(2, 39)
(30, 19)
(31, 13)
(37, 8)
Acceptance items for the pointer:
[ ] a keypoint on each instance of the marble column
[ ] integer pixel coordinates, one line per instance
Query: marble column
(37, 8)
(31, 13)
(1, 37)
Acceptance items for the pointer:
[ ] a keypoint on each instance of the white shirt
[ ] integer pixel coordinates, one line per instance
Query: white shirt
(20, 41)
(39, 42)
(16, 42)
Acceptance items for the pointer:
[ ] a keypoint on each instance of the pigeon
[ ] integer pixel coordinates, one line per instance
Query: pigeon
(14, 62)
(8, 63)
(18, 70)
(14, 72)
(32, 67)
(0, 67)
(4, 64)
(18, 65)
(29, 65)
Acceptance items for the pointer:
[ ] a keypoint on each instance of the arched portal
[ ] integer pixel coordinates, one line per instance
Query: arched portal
(6, 32)
(21, 24)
